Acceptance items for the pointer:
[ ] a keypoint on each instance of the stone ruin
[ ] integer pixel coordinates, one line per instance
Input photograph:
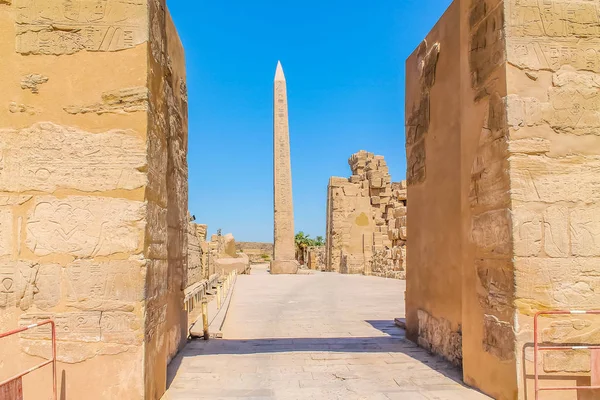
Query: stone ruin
(208, 260)
(224, 257)
(258, 252)
(316, 258)
(198, 268)
(93, 194)
(502, 122)
(366, 220)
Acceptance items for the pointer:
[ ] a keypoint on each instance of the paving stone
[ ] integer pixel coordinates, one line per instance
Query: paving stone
(290, 337)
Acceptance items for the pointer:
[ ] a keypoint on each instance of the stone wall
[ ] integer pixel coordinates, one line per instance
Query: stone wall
(366, 220)
(433, 283)
(502, 101)
(93, 193)
(224, 257)
(316, 258)
(256, 251)
(197, 254)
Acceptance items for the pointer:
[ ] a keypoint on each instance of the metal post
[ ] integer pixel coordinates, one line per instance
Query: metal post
(53, 327)
(205, 318)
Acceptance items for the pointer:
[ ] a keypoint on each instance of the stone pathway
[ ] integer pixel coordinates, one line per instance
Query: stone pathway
(321, 336)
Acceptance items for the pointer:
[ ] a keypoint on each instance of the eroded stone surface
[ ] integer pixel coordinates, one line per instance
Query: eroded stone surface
(18, 108)
(527, 123)
(366, 220)
(54, 27)
(284, 247)
(122, 101)
(32, 81)
(439, 336)
(93, 192)
(85, 226)
(47, 156)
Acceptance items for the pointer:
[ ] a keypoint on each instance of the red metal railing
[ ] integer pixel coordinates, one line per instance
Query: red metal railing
(595, 364)
(51, 361)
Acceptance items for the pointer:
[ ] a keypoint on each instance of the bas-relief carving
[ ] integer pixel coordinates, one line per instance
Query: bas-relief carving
(498, 338)
(32, 81)
(554, 18)
(417, 122)
(110, 285)
(494, 286)
(122, 101)
(86, 326)
(18, 108)
(46, 157)
(6, 228)
(556, 283)
(554, 33)
(556, 231)
(439, 336)
(23, 284)
(567, 361)
(85, 226)
(572, 178)
(490, 232)
(584, 228)
(82, 335)
(527, 232)
(57, 27)
(486, 51)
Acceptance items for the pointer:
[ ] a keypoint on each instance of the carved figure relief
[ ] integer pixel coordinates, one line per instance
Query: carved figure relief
(84, 226)
(417, 122)
(43, 157)
(60, 27)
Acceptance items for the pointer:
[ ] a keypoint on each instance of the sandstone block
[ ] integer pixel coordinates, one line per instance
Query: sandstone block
(43, 157)
(400, 212)
(527, 230)
(585, 231)
(556, 231)
(85, 226)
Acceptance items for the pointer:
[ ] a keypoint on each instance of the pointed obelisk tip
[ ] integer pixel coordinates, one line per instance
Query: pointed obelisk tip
(279, 73)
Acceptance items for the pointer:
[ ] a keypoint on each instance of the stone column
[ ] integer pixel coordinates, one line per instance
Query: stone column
(284, 260)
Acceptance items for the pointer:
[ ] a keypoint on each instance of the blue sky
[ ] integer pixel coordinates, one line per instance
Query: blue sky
(344, 65)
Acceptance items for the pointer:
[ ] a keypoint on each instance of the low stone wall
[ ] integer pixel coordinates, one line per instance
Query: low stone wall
(258, 252)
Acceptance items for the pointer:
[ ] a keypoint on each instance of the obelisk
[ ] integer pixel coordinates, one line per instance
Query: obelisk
(284, 254)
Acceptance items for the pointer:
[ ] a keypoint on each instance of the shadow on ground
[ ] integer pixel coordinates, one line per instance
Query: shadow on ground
(394, 343)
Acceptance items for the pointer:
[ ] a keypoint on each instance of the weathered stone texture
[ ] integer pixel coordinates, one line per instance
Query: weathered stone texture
(316, 258)
(224, 256)
(256, 251)
(439, 336)
(52, 27)
(93, 193)
(197, 254)
(526, 124)
(366, 220)
(284, 260)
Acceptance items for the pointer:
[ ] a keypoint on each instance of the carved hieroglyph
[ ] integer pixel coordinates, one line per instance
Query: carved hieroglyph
(47, 156)
(85, 226)
(67, 26)
(93, 192)
(527, 122)
(284, 247)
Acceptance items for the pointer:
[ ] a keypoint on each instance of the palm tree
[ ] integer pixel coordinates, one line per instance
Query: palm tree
(319, 241)
(303, 241)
